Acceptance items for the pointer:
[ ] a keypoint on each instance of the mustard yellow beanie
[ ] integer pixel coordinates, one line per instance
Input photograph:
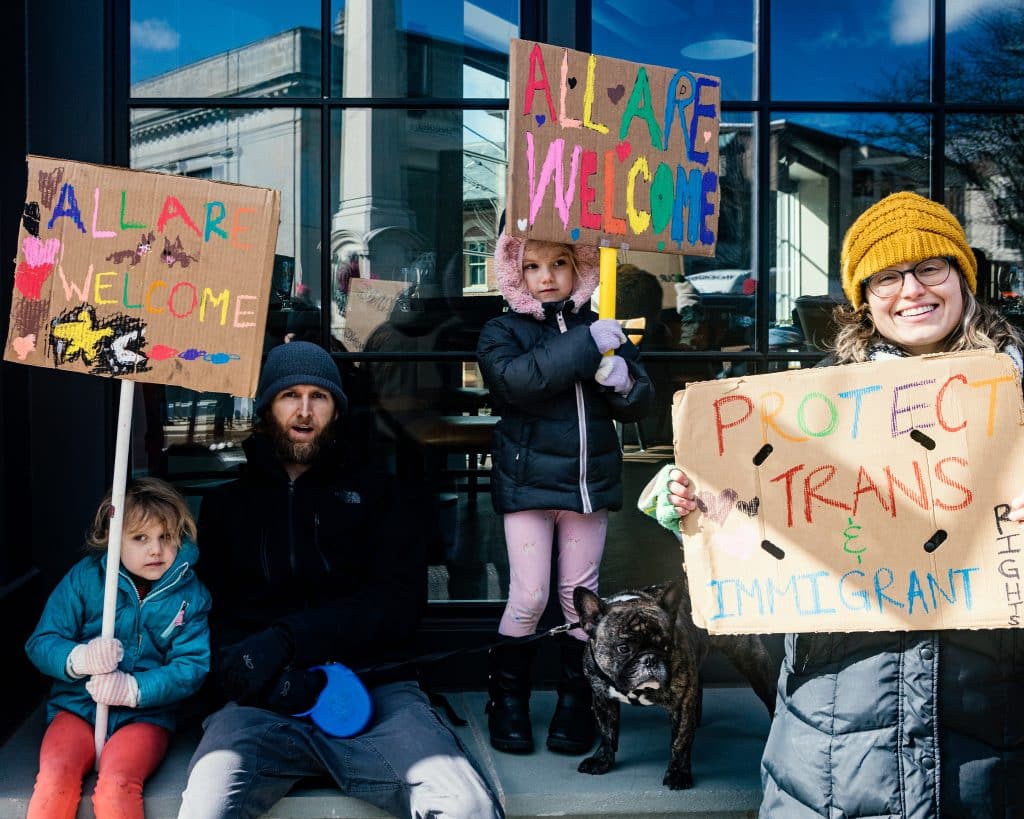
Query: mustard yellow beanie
(903, 227)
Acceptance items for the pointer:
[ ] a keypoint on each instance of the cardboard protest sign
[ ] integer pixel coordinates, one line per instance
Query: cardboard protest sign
(605, 152)
(370, 302)
(867, 497)
(153, 277)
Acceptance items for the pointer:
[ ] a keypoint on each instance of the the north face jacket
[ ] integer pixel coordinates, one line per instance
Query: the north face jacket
(328, 556)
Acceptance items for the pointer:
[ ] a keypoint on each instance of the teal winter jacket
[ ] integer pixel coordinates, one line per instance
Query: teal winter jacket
(165, 637)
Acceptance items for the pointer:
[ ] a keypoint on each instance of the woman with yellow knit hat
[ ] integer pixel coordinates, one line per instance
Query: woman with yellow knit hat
(916, 725)
(910, 277)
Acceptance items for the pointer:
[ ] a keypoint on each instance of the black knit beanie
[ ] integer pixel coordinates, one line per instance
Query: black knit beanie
(298, 362)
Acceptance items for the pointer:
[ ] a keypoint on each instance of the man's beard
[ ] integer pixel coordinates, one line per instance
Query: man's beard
(293, 452)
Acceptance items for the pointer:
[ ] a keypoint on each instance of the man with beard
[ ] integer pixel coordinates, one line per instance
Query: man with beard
(306, 565)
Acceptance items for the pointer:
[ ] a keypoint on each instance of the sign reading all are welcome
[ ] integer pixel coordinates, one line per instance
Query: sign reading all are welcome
(605, 152)
(149, 276)
(867, 497)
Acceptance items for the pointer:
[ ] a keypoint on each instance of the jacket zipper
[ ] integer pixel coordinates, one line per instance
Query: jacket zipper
(154, 592)
(581, 416)
(316, 542)
(291, 527)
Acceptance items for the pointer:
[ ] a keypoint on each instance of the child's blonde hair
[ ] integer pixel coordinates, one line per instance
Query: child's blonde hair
(145, 499)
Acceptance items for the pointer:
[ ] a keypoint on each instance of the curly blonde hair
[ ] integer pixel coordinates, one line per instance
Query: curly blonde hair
(981, 328)
(145, 499)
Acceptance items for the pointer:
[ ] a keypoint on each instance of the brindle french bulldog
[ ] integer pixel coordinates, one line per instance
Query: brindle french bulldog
(644, 649)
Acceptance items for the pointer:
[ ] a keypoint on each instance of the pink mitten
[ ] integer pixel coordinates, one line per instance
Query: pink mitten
(614, 372)
(116, 688)
(607, 335)
(99, 656)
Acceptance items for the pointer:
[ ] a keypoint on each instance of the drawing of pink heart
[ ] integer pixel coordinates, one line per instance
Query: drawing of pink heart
(23, 345)
(717, 507)
(623, 149)
(40, 251)
(707, 136)
(615, 94)
(749, 507)
(738, 543)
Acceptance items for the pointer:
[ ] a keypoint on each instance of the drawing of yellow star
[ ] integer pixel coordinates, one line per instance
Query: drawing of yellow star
(81, 337)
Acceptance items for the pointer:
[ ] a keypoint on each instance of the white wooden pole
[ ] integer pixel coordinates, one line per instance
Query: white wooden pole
(124, 428)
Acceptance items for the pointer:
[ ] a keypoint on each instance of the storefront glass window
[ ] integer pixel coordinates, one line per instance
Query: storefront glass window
(985, 55)
(826, 170)
(193, 48)
(985, 188)
(413, 185)
(419, 49)
(846, 50)
(716, 39)
(393, 167)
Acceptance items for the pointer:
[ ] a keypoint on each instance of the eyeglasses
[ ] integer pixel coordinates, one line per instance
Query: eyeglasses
(930, 272)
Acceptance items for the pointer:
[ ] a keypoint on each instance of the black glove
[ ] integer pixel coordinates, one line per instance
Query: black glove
(296, 691)
(248, 667)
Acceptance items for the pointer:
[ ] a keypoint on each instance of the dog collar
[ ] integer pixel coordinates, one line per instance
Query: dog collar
(600, 673)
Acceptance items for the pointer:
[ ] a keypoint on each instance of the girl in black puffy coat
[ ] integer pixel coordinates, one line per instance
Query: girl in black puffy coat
(557, 464)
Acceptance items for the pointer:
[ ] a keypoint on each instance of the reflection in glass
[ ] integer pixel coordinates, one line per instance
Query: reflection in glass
(985, 189)
(418, 201)
(826, 170)
(682, 34)
(716, 296)
(423, 48)
(985, 52)
(851, 51)
(191, 48)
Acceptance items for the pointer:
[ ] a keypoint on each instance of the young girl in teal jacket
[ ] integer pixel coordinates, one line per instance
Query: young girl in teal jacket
(158, 656)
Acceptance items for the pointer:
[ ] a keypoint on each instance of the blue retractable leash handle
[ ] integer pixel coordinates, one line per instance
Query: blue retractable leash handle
(343, 708)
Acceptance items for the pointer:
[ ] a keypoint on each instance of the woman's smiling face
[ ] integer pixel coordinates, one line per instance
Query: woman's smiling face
(917, 317)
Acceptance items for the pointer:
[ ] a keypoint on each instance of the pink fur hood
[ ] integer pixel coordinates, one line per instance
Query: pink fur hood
(508, 269)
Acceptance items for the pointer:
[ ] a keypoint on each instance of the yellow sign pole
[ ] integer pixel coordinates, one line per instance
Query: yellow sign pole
(606, 290)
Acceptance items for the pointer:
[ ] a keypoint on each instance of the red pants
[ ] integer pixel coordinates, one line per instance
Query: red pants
(67, 754)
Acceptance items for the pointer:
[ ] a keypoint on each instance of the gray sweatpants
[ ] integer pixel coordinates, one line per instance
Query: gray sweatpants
(407, 762)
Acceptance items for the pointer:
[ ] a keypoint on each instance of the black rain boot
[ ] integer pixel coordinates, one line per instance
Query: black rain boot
(572, 729)
(508, 710)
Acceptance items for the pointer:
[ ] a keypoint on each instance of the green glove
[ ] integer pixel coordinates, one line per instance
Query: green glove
(654, 502)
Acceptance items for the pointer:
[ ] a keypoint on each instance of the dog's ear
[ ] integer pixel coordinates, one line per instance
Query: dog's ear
(589, 607)
(670, 595)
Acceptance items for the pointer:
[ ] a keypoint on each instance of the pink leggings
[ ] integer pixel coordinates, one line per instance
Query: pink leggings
(68, 751)
(528, 536)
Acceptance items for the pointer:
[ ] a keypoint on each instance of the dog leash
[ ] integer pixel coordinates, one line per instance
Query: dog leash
(444, 655)
(439, 700)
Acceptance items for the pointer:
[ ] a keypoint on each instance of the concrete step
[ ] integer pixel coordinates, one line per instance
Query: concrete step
(726, 753)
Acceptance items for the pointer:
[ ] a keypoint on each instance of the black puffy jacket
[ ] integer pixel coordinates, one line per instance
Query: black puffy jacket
(321, 556)
(556, 446)
(914, 725)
